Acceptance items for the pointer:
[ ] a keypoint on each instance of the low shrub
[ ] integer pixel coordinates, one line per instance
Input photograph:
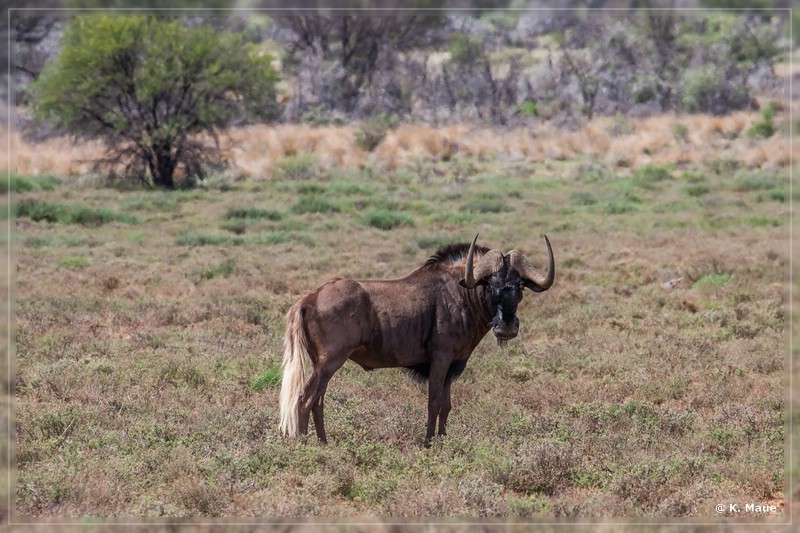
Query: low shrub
(387, 219)
(648, 175)
(20, 184)
(764, 127)
(70, 214)
(698, 189)
(582, 198)
(224, 269)
(709, 89)
(253, 213)
(374, 129)
(156, 201)
(314, 203)
(538, 467)
(194, 238)
(296, 168)
(483, 204)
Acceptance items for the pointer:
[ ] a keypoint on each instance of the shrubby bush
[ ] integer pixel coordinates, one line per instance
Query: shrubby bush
(149, 87)
(498, 68)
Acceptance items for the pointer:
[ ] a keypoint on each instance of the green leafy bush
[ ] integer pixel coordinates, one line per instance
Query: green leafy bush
(373, 130)
(709, 89)
(148, 87)
(296, 168)
(764, 127)
(529, 109)
(464, 49)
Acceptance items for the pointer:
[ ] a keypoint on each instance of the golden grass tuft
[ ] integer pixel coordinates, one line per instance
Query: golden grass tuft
(59, 156)
(255, 149)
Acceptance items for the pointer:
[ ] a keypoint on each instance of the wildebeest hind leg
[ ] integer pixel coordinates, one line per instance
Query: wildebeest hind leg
(316, 411)
(314, 395)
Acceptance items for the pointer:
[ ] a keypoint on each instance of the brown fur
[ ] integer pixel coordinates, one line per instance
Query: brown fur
(426, 322)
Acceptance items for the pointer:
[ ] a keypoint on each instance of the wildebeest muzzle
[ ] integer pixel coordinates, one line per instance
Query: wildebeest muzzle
(505, 324)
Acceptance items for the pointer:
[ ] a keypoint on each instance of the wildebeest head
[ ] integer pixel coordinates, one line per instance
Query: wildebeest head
(504, 276)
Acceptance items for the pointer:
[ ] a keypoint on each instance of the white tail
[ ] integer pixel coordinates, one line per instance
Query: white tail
(295, 369)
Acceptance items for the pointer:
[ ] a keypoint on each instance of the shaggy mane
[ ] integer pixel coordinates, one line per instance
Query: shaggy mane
(453, 254)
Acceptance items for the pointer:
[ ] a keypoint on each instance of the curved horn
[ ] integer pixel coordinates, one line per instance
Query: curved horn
(519, 263)
(489, 263)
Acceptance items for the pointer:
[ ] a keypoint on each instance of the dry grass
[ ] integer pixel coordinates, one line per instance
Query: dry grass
(146, 353)
(139, 345)
(253, 151)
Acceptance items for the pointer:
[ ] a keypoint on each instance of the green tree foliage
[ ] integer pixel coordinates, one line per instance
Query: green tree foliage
(149, 88)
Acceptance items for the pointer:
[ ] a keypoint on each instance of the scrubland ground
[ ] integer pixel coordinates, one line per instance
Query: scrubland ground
(149, 325)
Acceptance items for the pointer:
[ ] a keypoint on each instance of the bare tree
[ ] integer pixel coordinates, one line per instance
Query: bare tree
(361, 44)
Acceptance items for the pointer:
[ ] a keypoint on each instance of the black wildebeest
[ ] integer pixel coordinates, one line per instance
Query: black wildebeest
(429, 322)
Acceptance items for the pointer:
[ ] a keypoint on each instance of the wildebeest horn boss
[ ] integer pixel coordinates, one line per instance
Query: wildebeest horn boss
(427, 322)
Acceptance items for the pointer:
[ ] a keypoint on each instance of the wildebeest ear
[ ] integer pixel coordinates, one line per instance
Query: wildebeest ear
(532, 286)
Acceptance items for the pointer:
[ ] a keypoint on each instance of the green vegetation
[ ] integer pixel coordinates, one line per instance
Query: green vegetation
(296, 168)
(464, 49)
(253, 213)
(529, 109)
(75, 261)
(764, 127)
(373, 130)
(194, 238)
(708, 89)
(70, 213)
(483, 204)
(224, 269)
(697, 190)
(387, 219)
(270, 378)
(315, 203)
(20, 184)
(126, 79)
(649, 176)
(713, 280)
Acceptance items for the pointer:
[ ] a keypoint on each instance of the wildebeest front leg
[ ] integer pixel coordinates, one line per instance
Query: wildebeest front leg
(436, 386)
